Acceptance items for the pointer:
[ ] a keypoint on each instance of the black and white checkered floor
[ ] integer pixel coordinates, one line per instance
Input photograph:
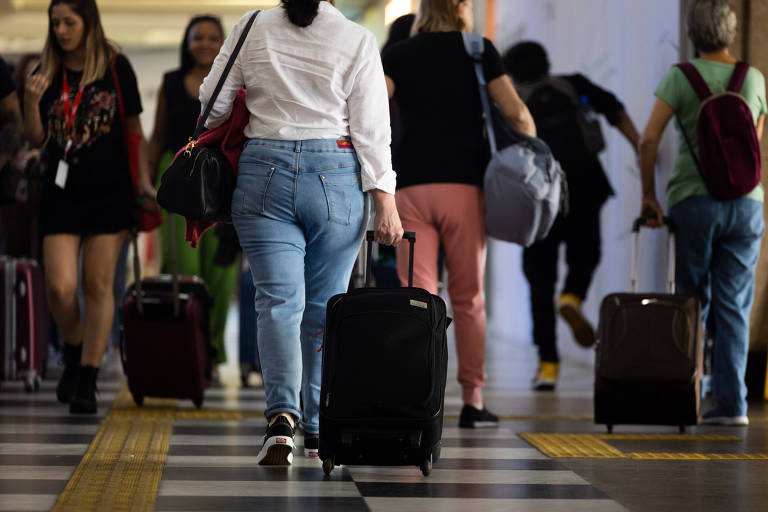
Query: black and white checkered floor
(210, 463)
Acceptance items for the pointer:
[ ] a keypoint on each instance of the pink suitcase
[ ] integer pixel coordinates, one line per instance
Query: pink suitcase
(24, 314)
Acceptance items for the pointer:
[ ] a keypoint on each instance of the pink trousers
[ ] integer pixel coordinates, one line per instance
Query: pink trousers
(451, 214)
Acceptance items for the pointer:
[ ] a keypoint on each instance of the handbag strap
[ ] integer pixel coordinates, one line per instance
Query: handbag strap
(474, 45)
(118, 91)
(201, 123)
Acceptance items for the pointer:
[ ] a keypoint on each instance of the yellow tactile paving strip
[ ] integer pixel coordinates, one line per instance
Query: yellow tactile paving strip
(593, 446)
(122, 468)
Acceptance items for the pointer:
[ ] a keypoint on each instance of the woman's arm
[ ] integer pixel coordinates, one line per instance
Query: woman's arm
(155, 147)
(222, 107)
(34, 131)
(390, 86)
(649, 144)
(144, 184)
(760, 126)
(512, 107)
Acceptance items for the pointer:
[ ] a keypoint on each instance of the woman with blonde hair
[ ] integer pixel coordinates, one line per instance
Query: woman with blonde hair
(72, 110)
(440, 163)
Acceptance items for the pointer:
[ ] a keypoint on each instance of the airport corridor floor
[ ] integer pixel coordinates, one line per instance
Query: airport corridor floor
(547, 455)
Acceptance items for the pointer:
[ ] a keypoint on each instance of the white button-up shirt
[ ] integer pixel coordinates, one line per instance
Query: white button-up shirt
(323, 81)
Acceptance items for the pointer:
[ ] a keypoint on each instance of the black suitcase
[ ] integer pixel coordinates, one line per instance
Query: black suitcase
(385, 357)
(649, 354)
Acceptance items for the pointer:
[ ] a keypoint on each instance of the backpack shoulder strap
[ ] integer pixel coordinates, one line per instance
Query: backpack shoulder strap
(696, 80)
(738, 76)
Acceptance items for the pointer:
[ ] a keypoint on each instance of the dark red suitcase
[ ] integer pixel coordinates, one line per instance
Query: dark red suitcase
(166, 336)
(24, 330)
(649, 354)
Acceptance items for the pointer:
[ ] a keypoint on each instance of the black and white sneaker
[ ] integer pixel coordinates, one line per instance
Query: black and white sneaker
(311, 445)
(472, 417)
(277, 449)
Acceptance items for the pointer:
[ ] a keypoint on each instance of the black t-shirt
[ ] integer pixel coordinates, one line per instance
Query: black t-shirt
(97, 158)
(441, 114)
(181, 113)
(7, 85)
(586, 178)
(98, 196)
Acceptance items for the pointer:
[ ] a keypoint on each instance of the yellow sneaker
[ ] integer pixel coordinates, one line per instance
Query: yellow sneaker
(569, 307)
(546, 377)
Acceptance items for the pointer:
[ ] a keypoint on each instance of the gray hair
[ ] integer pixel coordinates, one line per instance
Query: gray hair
(711, 24)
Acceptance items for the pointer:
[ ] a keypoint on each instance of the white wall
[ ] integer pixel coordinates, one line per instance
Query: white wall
(625, 46)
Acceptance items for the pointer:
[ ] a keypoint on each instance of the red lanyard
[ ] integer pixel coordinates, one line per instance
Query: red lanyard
(69, 113)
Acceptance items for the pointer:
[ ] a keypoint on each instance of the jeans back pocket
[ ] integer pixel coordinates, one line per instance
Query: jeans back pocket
(341, 191)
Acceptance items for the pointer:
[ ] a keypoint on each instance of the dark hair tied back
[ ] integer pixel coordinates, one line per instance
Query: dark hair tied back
(301, 12)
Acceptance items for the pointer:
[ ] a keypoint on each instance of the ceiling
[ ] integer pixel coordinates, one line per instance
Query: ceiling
(141, 24)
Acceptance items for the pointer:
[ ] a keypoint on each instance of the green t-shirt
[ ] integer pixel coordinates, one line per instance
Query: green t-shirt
(675, 89)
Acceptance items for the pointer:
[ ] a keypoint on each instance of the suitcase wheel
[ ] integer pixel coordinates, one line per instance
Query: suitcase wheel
(426, 467)
(328, 466)
(32, 384)
(609, 427)
(682, 429)
(138, 400)
(198, 402)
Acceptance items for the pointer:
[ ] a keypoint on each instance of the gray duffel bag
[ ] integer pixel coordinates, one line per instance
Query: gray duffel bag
(524, 185)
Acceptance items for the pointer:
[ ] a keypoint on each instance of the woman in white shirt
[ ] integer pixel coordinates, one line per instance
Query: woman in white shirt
(318, 140)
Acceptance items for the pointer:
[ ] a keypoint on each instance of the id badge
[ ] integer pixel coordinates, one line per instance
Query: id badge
(62, 171)
(61, 174)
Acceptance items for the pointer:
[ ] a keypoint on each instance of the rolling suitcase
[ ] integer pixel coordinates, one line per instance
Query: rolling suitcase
(24, 333)
(166, 339)
(649, 354)
(385, 360)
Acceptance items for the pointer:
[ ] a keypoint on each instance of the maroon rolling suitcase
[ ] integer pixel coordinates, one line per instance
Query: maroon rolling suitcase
(649, 354)
(24, 331)
(166, 340)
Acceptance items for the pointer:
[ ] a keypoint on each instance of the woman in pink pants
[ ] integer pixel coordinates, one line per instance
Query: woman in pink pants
(440, 164)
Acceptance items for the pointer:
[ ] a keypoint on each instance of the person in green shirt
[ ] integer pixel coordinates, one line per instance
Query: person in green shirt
(718, 242)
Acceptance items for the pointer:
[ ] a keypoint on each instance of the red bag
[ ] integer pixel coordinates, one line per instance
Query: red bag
(729, 157)
(146, 220)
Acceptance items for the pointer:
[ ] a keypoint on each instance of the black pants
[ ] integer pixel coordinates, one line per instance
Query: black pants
(580, 231)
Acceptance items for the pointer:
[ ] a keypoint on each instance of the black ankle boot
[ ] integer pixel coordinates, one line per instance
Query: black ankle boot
(66, 388)
(84, 399)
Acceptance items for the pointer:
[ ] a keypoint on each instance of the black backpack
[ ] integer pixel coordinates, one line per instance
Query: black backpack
(560, 114)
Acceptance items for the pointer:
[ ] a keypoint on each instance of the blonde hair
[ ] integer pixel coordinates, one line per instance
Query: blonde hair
(437, 16)
(98, 50)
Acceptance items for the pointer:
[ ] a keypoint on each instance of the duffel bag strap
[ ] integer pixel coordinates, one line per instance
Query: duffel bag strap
(475, 48)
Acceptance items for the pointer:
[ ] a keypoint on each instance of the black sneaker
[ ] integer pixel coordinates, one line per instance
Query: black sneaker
(311, 445)
(84, 399)
(472, 417)
(66, 388)
(277, 449)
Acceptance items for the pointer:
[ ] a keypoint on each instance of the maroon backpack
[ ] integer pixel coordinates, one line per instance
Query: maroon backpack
(729, 152)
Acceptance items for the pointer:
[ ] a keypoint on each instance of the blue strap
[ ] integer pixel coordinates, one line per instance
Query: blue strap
(475, 48)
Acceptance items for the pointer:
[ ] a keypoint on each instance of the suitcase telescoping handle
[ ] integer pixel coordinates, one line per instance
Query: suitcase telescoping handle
(408, 235)
(671, 228)
(174, 269)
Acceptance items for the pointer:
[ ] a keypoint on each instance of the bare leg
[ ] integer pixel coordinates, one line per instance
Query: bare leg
(60, 255)
(100, 253)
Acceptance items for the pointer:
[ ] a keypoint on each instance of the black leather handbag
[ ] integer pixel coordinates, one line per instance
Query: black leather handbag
(199, 183)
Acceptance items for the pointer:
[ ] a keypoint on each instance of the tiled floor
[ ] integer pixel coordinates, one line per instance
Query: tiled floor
(210, 463)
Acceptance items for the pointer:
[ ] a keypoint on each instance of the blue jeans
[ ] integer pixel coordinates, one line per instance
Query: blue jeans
(298, 209)
(718, 245)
